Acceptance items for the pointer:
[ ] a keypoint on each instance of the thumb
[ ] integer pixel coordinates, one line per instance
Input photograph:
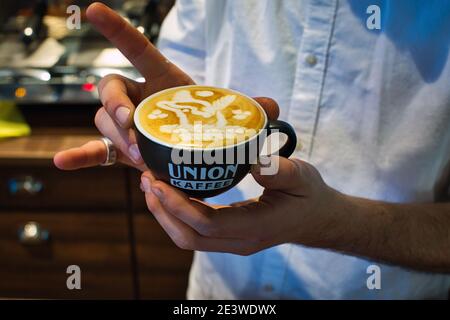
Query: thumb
(270, 106)
(292, 176)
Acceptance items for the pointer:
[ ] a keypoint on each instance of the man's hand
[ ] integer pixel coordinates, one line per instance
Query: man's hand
(293, 208)
(298, 207)
(120, 95)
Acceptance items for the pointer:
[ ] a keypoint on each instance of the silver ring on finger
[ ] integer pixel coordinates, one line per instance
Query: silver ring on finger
(111, 152)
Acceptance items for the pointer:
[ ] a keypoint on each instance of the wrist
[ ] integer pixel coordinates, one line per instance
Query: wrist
(325, 222)
(341, 222)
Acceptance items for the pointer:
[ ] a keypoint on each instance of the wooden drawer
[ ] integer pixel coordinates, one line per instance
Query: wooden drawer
(98, 244)
(163, 267)
(47, 187)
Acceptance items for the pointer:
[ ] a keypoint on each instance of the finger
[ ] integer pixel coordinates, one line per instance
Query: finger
(288, 175)
(181, 234)
(123, 139)
(187, 238)
(179, 205)
(114, 91)
(231, 222)
(133, 44)
(270, 106)
(88, 155)
(251, 221)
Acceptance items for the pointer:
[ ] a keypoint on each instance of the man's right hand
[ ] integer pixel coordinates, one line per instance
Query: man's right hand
(120, 95)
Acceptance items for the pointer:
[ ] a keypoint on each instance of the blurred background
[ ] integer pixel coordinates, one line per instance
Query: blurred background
(95, 218)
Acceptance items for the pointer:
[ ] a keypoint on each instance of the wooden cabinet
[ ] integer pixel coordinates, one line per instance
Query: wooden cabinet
(163, 268)
(92, 218)
(50, 188)
(97, 243)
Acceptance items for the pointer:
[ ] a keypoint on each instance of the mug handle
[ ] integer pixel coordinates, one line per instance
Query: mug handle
(280, 126)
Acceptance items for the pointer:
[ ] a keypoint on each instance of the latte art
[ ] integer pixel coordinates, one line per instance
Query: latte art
(201, 117)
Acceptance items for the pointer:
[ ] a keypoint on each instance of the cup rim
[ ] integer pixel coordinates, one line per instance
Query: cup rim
(139, 127)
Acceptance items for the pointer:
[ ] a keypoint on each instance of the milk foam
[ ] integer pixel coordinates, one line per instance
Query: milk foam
(205, 133)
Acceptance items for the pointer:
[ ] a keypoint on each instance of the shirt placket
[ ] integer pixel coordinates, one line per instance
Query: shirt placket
(310, 72)
(303, 114)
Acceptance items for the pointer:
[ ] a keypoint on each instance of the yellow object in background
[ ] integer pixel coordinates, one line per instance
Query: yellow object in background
(12, 123)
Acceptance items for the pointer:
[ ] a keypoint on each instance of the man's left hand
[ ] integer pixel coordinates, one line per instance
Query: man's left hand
(294, 207)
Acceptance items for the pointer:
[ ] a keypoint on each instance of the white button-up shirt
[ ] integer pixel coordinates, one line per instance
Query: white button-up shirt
(371, 108)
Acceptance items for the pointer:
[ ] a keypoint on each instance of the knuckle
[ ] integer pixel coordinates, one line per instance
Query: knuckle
(306, 170)
(97, 155)
(183, 242)
(267, 100)
(109, 77)
(295, 168)
(99, 117)
(105, 80)
(110, 103)
(150, 204)
(102, 83)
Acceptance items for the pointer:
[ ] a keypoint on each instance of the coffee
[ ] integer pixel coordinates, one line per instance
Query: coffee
(201, 117)
(203, 140)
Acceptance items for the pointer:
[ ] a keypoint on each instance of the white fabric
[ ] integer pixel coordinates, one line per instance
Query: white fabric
(373, 115)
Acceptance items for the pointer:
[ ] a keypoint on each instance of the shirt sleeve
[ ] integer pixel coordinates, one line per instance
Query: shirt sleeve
(182, 37)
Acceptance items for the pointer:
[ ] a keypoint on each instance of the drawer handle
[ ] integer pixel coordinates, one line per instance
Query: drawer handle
(27, 185)
(31, 234)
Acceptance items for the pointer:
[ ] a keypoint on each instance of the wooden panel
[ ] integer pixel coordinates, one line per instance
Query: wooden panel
(98, 244)
(42, 145)
(88, 189)
(163, 267)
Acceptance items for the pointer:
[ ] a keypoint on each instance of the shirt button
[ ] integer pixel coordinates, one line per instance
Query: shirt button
(311, 60)
(268, 288)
